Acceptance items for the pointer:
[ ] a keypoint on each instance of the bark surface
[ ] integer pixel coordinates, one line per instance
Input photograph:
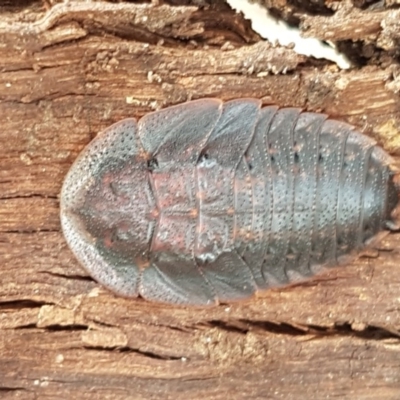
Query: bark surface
(67, 71)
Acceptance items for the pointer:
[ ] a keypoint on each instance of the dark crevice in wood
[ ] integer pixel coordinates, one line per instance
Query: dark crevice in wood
(127, 349)
(129, 33)
(28, 231)
(289, 17)
(227, 326)
(68, 328)
(70, 277)
(5, 389)
(244, 326)
(102, 323)
(22, 304)
(137, 34)
(25, 327)
(229, 24)
(369, 4)
(282, 328)
(359, 53)
(29, 196)
(221, 5)
(369, 332)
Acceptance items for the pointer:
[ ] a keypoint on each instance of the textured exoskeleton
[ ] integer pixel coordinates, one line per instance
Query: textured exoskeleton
(209, 202)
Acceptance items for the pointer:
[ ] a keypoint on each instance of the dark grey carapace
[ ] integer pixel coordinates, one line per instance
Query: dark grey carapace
(209, 202)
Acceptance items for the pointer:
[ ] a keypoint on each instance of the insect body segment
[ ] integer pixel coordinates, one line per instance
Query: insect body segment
(209, 202)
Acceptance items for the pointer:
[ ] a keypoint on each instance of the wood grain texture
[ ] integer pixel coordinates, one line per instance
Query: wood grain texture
(63, 78)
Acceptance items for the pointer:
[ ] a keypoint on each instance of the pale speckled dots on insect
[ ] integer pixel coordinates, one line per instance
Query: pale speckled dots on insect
(209, 202)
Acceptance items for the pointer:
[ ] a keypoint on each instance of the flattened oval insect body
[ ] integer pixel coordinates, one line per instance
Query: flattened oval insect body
(209, 202)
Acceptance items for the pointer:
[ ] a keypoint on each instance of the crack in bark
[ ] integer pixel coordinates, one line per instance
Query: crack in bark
(23, 304)
(127, 349)
(29, 196)
(29, 231)
(243, 326)
(70, 277)
(60, 328)
(8, 389)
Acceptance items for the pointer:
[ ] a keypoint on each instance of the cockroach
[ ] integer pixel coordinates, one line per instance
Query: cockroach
(209, 201)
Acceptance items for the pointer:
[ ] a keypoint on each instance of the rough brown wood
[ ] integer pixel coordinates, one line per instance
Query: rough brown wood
(368, 31)
(67, 72)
